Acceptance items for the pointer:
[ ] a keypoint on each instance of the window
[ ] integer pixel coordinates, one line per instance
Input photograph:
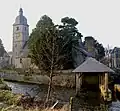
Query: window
(20, 60)
(17, 28)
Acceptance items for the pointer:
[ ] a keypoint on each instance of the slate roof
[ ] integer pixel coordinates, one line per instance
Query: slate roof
(20, 19)
(81, 49)
(85, 52)
(92, 65)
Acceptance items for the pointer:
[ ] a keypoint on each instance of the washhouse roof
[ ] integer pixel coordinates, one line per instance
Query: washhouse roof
(92, 65)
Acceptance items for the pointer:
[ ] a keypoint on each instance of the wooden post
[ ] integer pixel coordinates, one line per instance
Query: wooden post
(106, 82)
(70, 103)
(106, 86)
(80, 79)
(78, 83)
(115, 97)
(103, 79)
(99, 81)
(75, 79)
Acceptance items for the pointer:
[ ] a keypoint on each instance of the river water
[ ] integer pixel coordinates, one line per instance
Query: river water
(58, 93)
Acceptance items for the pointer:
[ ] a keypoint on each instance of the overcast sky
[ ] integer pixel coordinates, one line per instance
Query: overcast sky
(97, 18)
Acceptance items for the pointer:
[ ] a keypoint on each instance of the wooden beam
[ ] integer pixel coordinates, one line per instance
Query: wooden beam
(78, 83)
(99, 80)
(106, 82)
(80, 79)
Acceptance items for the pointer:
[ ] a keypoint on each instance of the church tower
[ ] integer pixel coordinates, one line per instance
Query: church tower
(20, 36)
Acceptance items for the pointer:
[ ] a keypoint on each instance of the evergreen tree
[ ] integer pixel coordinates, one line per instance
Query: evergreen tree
(71, 38)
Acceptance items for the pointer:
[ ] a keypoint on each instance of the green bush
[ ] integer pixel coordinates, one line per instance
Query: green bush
(1, 81)
(9, 98)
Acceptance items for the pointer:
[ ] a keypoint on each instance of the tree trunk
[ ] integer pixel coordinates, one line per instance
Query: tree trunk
(51, 71)
(49, 87)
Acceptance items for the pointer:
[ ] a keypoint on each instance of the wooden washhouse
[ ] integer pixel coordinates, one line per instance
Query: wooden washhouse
(93, 75)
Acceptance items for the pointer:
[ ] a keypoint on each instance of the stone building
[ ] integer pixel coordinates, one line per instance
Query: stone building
(25, 61)
(20, 37)
(115, 58)
(90, 45)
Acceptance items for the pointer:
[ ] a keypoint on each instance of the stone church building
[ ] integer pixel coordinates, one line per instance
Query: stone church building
(20, 38)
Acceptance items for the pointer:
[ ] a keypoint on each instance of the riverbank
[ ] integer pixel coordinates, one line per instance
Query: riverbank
(29, 104)
(37, 94)
(87, 101)
(11, 101)
(7, 98)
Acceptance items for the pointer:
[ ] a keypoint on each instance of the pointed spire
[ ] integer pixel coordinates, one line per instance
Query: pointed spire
(21, 11)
